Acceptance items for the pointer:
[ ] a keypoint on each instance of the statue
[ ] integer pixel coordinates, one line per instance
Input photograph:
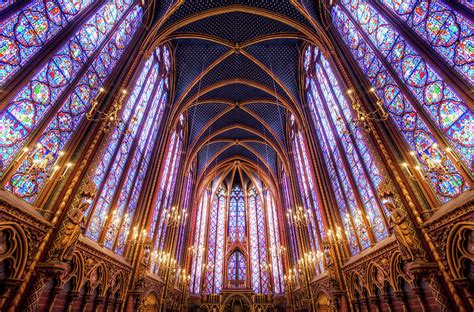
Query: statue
(328, 263)
(407, 238)
(68, 235)
(144, 263)
(405, 234)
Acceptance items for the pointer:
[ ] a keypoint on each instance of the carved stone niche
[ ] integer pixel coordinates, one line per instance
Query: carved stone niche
(13, 259)
(236, 304)
(460, 256)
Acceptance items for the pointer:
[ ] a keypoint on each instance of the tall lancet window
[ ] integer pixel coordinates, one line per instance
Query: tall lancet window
(305, 176)
(236, 215)
(258, 244)
(448, 32)
(274, 240)
(199, 246)
(253, 256)
(349, 162)
(123, 160)
(287, 200)
(215, 244)
(187, 193)
(236, 270)
(165, 192)
(27, 31)
(431, 114)
(42, 116)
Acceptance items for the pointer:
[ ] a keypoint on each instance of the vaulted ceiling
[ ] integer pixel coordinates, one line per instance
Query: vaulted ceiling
(237, 76)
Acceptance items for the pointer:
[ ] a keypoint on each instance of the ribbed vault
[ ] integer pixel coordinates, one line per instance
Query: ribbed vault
(236, 65)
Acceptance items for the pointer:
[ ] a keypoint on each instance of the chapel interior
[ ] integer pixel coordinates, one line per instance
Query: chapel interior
(236, 155)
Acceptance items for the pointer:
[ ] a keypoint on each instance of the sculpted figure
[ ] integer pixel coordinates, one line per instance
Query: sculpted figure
(406, 235)
(64, 246)
(407, 238)
(328, 263)
(145, 263)
(68, 235)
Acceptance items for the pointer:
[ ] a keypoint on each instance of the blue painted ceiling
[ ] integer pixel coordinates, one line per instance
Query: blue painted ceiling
(248, 60)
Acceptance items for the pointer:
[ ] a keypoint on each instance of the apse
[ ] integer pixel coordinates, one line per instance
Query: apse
(237, 235)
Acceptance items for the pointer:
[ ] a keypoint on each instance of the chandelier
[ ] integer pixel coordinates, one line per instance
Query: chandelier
(174, 217)
(299, 217)
(198, 250)
(439, 163)
(112, 117)
(335, 237)
(266, 267)
(290, 278)
(360, 222)
(115, 223)
(39, 164)
(164, 260)
(363, 118)
(307, 262)
(182, 278)
(138, 235)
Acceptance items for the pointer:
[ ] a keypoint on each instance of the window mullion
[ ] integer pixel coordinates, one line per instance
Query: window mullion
(434, 129)
(347, 168)
(354, 146)
(332, 161)
(169, 179)
(58, 103)
(310, 174)
(156, 120)
(434, 59)
(131, 155)
(161, 189)
(306, 173)
(116, 150)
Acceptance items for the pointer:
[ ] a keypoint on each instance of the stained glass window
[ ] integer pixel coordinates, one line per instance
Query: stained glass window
(124, 159)
(418, 100)
(288, 205)
(164, 193)
(24, 33)
(60, 94)
(236, 270)
(199, 244)
(276, 249)
(258, 246)
(6, 3)
(310, 195)
(215, 245)
(439, 102)
(449, 33)
(259, 264)
(187, 192)
(236, 215)
(344, 147)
